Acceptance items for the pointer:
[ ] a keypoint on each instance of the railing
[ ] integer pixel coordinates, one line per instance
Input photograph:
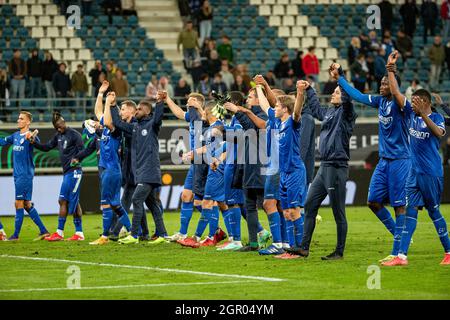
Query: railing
(79, 109)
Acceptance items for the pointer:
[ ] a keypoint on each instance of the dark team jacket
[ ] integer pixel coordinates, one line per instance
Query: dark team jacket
(336, 130)
(308, 143)
(252, 172)
(145, 161)
(69, 144)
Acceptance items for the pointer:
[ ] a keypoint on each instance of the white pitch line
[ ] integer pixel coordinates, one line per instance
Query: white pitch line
(125, 286)
(145, 268)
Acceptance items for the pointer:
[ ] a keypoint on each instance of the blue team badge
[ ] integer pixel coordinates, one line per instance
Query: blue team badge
(22, 141)
(144, 132)
(423, 124)
(388, 108)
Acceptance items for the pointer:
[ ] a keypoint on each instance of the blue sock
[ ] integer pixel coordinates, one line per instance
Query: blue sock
(298, 230)
(107, 220)
(408, 230)
(34, 215)
(203, 222)
(275, 226)
(123, 217)
(441, 228)
(61, 223)
(77, 223)
(1, 226)
(18, 222)
(385, 217)
(185, 216)
(284, 236)
(236, 223)
(213, 221)
(290, 232)
(227, 219)
(399, 226)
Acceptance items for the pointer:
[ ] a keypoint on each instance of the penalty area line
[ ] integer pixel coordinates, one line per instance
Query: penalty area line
(99, 264)
(131, 286)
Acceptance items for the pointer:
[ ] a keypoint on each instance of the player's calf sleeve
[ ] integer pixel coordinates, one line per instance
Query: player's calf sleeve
(290, 232)
(213, 221)
(226, 214)
(203, 222)
(236, 223)
(408, 230)
(34, 215)
(123, 217)
(275, 226)
(61, 223)
(18, 221)
(385, 217)
(107, 220)
(399, 226)
(1, 226)
(185, 216)
(298, 230)
(78, 224)
(284, 236)
(441, 227)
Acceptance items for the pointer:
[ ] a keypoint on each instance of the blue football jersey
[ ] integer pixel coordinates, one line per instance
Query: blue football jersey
(288, 136)
(22, 154)
(213, 143)
(425, 145)
(191, 119)
(110, 143)
(392, 130)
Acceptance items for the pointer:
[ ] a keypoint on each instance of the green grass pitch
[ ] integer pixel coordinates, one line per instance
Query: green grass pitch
(143, 271)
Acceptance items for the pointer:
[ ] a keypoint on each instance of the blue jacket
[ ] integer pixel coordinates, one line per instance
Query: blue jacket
(336, 130)
(144, 145)
(252, 172)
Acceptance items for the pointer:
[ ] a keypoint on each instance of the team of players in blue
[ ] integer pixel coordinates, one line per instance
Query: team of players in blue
(409, 174)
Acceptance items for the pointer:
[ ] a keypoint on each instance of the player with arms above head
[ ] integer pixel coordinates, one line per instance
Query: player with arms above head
(188, 202)
(425, 181)
(389, 178)
(69, 143)
(23, 177)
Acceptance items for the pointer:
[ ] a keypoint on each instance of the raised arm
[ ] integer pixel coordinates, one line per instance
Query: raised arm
(120, 124)
(98, 109)
(299, 100)
(347, 105)
(263, 102)
(259, 80)
(317, 111)
(176, 110)
(419, 106)
(355, 94)
(246, 117)
(107, 118)
(393, 85)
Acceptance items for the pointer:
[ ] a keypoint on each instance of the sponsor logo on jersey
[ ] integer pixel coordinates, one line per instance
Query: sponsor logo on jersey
(419, 134)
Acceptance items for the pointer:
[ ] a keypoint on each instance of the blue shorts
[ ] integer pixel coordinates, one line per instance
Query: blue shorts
(199, 179)
(188, 182)
(215, 185)
(388, 182)
(24, 188)
(70, 189)
(272, 187)
(232, 196)
(111, 185)
(423, 190)
(293, 189)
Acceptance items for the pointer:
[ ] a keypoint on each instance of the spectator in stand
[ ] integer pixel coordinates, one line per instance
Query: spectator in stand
(4, 93)
(364, 41)
(182, 90)
(218, 85)
(110, 71)
(445, 15)
(436, 53)
(353, 50)
(239, 85)
(359, 72)
(204, 87)
(370, 62)
(120, 85)
(205, 16)
(225, 49)
(297, 67)
(412, 88)
(386, 15)
(17, 70)
(310, 64)
(379, 67)
(34, 71)
(196, 72)
(61, 83)
(188, 40)
(94, 74)
(241, 70)
(195, 6)
(112, 8)
(288, 85)
(214, 63)
(404, 45)
(185, 10)
(86, 6)
(374, 44)
(388, 44)
(270, 78)
(430, 14)
(80, 85)
(409, 13)
(329, 86)
(283, 67)
(128, 7)
(151, 90)
(227, 76)
(49, 67)
(447, 56)
(165, 85)
(101, 78)
(208, 46)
